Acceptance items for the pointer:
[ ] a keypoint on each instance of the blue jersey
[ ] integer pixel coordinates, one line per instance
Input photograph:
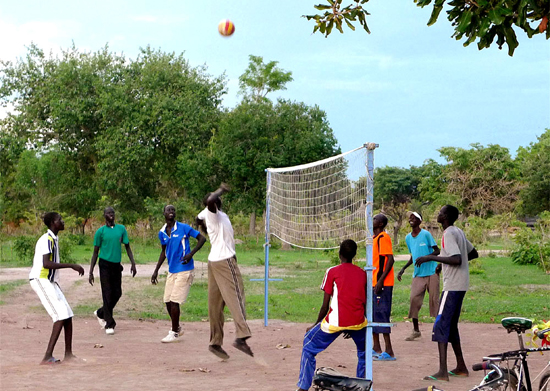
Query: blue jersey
(419, 246)
(177, 245)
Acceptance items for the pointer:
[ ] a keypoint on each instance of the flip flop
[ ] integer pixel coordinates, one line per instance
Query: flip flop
(375, 353)
(384, 356)
(459, 374)
(433, 378)
(51, 361)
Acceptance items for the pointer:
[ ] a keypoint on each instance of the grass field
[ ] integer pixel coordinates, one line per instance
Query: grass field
(498, 287)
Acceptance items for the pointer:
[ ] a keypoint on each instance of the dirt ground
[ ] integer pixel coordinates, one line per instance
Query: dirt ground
(134, 359)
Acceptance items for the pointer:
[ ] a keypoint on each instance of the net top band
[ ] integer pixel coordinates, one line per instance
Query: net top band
(319, 162)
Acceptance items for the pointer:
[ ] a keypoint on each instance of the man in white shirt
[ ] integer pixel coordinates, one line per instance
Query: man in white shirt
(225, 284)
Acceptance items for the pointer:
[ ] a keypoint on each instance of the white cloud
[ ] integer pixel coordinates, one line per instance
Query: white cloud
(49, 36)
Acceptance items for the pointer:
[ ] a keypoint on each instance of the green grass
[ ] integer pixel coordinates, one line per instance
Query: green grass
(7, 288)
(498, 287)
(501, 289)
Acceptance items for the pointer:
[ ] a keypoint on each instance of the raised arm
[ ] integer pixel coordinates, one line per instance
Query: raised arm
(213, 199)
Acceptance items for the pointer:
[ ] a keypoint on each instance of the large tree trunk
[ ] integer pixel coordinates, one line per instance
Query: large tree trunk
(252, 226)
(396, 228)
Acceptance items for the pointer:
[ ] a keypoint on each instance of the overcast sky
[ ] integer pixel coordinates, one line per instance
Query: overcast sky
(409, 87)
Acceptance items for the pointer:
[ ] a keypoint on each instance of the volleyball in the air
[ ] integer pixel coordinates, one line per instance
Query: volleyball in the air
(226, 27)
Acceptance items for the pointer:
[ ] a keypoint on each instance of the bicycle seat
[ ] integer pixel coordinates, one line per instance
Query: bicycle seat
(519, 325)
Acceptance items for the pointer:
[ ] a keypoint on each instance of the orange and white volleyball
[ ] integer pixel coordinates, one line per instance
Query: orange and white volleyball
(226, 27)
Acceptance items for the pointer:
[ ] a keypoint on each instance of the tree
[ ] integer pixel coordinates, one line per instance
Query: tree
(260, 79)
(480, 20)
(394, 189)
(534, 165)
(485, 179)
(258, 135)
(123, 123)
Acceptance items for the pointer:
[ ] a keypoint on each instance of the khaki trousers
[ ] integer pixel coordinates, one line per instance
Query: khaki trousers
(419, 287)
(225, 287)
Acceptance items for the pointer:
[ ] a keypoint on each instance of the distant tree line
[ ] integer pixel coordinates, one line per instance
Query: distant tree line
(90, 129)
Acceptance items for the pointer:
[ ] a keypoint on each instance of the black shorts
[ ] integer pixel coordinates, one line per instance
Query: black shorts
(381, 309)
(446, 323)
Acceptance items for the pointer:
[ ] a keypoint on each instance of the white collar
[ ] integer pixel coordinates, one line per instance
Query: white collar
(163, 229)
(50, 232)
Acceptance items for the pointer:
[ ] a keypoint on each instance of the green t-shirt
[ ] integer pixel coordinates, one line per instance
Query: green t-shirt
(109, 240)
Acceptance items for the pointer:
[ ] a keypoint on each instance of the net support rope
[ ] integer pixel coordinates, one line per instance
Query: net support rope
(318, 205)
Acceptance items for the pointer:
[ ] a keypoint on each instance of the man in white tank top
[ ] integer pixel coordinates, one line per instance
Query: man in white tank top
(225, 284)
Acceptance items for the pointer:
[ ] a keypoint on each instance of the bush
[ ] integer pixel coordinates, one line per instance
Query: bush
(532, 248)
(24, 246)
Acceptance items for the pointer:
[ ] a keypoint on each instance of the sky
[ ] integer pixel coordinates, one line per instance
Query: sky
(406, 86)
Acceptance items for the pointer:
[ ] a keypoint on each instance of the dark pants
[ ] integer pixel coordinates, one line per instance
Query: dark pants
(110, 274)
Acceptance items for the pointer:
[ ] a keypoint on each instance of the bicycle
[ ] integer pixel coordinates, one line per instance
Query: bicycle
(515, 374)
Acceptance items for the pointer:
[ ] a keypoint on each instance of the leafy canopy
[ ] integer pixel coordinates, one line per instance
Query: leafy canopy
(473, 20)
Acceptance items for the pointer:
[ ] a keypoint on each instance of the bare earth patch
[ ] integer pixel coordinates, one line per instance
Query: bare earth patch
(135, 359)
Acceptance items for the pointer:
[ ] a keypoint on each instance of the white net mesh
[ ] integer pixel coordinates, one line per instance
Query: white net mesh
(317, 205)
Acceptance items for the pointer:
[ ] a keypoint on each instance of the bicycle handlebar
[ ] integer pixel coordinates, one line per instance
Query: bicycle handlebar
(541, 333)
(482, 366)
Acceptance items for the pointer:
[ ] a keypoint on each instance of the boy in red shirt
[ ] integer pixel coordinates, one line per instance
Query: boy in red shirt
(382, 282)
(346, 285)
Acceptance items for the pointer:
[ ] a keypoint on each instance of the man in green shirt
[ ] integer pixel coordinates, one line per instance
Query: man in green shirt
(107, 245)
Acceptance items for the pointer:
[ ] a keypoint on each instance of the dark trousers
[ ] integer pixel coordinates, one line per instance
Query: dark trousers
(110, 274)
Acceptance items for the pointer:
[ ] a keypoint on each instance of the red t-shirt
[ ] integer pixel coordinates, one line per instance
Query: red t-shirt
(381, 247)
(346, 283)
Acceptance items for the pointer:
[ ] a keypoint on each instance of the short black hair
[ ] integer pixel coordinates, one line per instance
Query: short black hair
(108, 208)
(50, 217)
(166, 206)
(348, 249)
(451, 213)
(384, 219)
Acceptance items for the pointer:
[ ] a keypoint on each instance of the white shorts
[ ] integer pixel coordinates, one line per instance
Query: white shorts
(178, 286)
(52, 299)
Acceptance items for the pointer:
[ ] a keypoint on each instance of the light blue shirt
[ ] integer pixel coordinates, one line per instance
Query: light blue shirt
(419, 246)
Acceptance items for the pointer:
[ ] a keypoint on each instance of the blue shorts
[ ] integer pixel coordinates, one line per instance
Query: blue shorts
(446, 323)
(381, 309)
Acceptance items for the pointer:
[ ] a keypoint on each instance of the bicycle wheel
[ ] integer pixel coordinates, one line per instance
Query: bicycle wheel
(544, 384)
(510, 381)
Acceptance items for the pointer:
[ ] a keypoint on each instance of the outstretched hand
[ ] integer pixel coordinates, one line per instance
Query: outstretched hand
(225, 187)
(421, 260)
(78, 269)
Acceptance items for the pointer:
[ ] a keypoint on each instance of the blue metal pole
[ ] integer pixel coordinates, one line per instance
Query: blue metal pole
(266, 246)
(368, 268)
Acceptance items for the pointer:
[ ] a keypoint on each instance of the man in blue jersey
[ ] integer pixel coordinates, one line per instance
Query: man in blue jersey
(426, 276)
(174, 238)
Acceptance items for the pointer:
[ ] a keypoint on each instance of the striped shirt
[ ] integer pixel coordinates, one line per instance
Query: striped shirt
(47, 244)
